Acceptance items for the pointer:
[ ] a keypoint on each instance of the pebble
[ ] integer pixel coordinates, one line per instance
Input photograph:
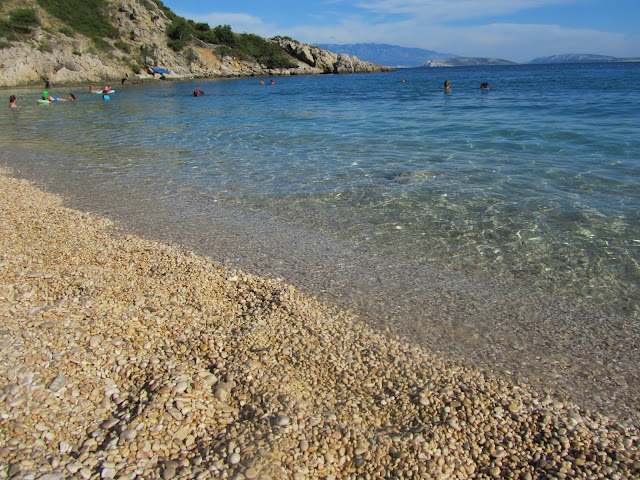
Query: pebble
(282, 420)
(181, 387)
(229, 375)
(57, 383)
(128, 434)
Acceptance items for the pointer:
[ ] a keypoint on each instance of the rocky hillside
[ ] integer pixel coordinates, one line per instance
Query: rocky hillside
(38, 47)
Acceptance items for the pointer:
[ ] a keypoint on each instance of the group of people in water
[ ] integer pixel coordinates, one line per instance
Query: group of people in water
(198, 93)
(447, 86)
(47, 97)
(13, 99)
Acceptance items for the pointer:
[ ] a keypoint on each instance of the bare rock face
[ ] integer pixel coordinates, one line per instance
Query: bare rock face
(327, 62)
(48, 56)
(24, 64)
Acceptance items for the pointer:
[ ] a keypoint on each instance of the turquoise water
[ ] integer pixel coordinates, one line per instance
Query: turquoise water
(536, 178)
(384, 195)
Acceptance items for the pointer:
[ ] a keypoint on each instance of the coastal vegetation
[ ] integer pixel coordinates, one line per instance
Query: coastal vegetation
(87, 17)
(20, 22)
(182, 32)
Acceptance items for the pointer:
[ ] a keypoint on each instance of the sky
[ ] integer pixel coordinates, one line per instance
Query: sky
(516, 30)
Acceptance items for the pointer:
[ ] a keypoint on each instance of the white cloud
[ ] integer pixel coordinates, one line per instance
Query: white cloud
(449, 10)
(516, 42)
(424, 25)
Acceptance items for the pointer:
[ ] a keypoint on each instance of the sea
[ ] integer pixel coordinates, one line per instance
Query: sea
(494, 227)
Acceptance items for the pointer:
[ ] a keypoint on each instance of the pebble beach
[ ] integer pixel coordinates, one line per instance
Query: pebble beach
(126, 358)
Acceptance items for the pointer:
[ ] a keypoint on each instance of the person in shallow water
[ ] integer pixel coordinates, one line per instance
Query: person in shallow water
(72, 97)
(12, 101)
(46, 96)
(197, 93)
(447, 86)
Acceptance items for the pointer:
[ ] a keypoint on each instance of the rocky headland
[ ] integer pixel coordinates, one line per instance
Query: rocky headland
(48, 56)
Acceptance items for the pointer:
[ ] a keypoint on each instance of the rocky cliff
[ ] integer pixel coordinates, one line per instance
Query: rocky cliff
(323, 61)
(48, 56)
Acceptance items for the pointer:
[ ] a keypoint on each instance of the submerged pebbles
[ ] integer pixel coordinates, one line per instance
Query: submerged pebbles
(123, 358)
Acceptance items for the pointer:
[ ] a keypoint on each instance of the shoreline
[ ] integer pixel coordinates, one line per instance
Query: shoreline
(573, 349)
(123, 357)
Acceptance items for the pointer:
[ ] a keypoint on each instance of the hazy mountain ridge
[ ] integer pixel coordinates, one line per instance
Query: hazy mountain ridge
(579, 58)
(393, 55)
(468, 62)
(385, 54)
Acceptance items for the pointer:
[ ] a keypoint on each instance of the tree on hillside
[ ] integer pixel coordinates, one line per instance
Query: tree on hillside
(23, 19)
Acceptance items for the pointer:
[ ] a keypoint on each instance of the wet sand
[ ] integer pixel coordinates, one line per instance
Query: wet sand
(126, 358)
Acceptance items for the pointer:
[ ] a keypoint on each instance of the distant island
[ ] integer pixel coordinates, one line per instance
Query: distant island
(468, 62)
(396, 56)
(580, 58)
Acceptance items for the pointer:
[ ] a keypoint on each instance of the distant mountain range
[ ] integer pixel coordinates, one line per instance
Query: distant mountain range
(468, 62)
(395, 56)
(389, 55)
(581, 58)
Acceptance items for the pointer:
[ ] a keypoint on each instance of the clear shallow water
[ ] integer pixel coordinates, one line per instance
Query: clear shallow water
(493, 225)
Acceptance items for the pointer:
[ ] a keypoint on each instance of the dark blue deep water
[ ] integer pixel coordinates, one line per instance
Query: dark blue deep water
(433, 212)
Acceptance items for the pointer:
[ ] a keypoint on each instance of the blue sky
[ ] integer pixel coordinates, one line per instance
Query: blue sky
(517, 30)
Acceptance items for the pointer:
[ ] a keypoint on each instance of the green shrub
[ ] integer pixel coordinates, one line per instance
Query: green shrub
(122, 46)
(190, 56)
(88, 17)
(135, 68)
(178, 29)
(268, 53)
(176, 45)
(45, 47)
(202, 27)
(4, 44)
(76, 52)
(67, 31)
(5, 28)
(23, 19)
(102, 44)
(224, 35)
